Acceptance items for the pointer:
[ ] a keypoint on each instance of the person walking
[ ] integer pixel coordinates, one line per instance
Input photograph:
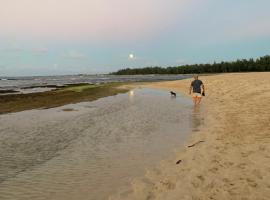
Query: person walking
(197, 89)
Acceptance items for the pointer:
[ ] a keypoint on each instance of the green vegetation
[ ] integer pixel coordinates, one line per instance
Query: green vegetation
(81, 88)
(251, 65)
(59, 97)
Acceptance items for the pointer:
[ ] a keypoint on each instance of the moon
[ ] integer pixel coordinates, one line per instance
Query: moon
(131, 56)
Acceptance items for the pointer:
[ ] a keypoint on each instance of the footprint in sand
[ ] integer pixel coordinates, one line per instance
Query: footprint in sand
(213, 170)
(242, 165)
(201, 178)
(257, 173)
(168, 184)
(251, 182)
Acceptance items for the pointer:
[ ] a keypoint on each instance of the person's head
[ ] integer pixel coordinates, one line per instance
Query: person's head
(195, 76)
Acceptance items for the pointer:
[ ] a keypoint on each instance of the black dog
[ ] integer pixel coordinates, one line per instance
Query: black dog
(173, 94)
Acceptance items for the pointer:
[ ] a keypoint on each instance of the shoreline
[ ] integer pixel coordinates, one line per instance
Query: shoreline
(232, 162)
(62, 95)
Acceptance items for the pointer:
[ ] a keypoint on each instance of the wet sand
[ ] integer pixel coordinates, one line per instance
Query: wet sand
(233, 162)
(90, 150)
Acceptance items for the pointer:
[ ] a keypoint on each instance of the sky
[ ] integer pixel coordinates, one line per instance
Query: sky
(57, 37)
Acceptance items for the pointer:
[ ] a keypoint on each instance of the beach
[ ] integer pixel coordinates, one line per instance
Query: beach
(95, 100)
(228, 157)
(88, 150)
(139, 145)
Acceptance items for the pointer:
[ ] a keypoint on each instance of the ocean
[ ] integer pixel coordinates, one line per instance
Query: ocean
(20, 83)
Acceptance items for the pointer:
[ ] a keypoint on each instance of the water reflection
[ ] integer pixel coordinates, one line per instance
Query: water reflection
(197, 118)
(173, 97)
(131, 95)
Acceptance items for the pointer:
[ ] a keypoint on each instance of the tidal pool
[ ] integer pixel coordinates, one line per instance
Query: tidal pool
(89, 150)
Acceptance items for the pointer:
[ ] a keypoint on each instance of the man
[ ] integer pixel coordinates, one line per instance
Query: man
(198, 90)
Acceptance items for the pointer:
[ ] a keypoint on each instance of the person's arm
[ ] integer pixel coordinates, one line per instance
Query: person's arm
(203, 89)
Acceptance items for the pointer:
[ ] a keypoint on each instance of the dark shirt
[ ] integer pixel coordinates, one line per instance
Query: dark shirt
(196, 85)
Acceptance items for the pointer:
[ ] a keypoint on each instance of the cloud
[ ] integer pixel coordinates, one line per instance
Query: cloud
(255, 28)
(39, 51)
(95, 19)
(13, 47)
(74, 55)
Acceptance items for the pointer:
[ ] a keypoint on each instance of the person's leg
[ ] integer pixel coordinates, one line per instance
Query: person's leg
(198, 101)
(194, 98)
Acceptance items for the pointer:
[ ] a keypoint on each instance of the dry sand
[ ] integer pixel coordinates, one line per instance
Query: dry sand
(234, 160)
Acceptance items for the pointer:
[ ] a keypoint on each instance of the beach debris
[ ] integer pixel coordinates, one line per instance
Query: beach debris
(195, 143)
(68, 109)
(178, 162)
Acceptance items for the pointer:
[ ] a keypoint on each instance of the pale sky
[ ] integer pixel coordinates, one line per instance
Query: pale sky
(50, 37)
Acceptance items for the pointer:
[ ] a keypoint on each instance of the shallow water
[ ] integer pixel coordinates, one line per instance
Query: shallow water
(92, 150)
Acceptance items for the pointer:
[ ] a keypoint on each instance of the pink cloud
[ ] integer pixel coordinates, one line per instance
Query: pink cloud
(74, 55)
(89, 19)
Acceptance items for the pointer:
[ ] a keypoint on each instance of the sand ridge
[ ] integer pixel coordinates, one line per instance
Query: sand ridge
(233, 162)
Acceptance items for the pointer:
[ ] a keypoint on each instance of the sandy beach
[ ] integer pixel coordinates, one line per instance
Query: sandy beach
(53, 153)
(233, 161)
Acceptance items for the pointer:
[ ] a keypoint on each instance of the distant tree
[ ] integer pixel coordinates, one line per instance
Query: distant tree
(244, 65)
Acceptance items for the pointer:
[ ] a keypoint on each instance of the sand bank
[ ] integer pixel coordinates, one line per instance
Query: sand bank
(233, 162)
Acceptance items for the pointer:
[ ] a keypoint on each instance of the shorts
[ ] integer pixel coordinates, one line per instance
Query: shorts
(195, 94)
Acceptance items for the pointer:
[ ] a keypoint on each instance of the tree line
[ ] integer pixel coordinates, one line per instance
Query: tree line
(258, 65)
